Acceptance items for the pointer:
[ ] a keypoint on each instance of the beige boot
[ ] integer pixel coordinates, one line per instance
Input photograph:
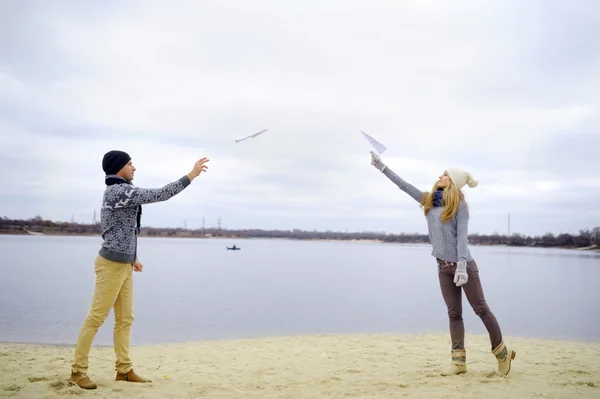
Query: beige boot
(459, 363)
(504, 356)
(83, 381)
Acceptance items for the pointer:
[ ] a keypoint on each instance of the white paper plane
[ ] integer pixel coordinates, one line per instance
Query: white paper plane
(378, 146)
(252, 135)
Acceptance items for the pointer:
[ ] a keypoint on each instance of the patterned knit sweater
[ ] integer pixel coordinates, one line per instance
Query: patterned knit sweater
(118, 216)
(449, 240)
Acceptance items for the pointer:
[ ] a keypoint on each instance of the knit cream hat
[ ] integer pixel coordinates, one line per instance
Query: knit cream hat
(460, 177)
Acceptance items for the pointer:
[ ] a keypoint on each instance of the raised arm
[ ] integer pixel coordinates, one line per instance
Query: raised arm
(462, 230)
(408, 188)
(124, 195)
(403, 185)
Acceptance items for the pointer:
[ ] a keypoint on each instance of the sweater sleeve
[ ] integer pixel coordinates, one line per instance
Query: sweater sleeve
(462, 231)
(408, 188)
(129, 196)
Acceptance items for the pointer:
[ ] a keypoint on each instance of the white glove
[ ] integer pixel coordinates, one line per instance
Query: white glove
(376, 161)
(460, 276)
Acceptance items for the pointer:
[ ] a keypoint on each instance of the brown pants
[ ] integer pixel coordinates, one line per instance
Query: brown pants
(453, 298)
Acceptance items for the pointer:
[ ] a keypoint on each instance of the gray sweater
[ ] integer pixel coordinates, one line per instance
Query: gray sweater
(449, 240)
(118, 216)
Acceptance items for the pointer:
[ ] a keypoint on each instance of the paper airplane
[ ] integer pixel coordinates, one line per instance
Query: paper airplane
(378, 146)
(252, 135)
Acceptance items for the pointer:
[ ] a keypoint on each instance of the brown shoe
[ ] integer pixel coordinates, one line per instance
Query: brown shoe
(130, 376)
(82, 380)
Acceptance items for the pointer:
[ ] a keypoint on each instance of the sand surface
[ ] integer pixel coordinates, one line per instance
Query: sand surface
(334, 366)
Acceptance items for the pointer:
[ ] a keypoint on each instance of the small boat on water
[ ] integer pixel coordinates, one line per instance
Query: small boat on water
(234, 248)
(34, 233)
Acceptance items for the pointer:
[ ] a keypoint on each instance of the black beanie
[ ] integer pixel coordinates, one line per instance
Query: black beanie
(113, 161)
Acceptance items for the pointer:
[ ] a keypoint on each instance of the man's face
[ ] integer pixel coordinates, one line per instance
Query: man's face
(127, 171)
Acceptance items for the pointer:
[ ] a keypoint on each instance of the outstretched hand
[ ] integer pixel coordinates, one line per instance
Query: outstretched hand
(376, 162)
(199, 167)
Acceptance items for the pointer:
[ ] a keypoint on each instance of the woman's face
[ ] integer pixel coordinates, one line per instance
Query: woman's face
(444, 180)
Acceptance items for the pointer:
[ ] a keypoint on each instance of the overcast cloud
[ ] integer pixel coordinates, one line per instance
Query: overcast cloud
(509, 90)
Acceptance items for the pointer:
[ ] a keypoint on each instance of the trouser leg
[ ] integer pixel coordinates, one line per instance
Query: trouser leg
(453, 298)
(123, 320)
(474, 293)
(109, 280)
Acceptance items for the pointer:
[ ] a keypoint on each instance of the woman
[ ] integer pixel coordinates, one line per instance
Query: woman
(447, 218)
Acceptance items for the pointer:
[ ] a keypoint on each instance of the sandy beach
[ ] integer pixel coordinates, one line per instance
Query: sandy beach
(319, 366)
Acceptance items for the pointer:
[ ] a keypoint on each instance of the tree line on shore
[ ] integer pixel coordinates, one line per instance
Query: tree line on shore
(587, 238)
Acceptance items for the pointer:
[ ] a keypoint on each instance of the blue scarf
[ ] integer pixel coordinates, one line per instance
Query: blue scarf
(437, 197)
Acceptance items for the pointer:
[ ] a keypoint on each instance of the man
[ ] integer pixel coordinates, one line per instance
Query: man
(120, 219)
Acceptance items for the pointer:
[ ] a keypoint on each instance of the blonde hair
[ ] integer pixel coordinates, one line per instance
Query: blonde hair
(451, 199)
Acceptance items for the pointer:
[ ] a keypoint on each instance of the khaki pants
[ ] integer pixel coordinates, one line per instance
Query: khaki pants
(114, 289)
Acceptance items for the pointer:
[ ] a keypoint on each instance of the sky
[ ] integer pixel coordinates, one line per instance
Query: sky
(508, 90)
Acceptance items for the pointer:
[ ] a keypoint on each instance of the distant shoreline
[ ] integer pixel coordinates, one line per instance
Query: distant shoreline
(587, 239)
(594, 248)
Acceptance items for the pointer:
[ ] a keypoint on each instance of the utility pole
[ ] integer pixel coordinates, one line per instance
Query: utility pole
(94, 221)
(219, 224)
(509, 224)
(185, 224)
(202, 223)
